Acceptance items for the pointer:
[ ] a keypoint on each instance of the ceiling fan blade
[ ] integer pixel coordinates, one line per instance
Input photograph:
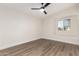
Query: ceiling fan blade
(42, 4)
(45, 12)
(35, 8)
(46, 5)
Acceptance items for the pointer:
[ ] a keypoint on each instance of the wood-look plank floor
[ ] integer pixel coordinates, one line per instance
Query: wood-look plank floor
(42, 47)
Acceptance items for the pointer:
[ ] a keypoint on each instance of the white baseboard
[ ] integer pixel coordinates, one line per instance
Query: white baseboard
(70, 41)
(8, 46)
(63, 38)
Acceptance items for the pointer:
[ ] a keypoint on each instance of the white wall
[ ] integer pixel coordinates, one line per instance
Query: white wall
(50, 30)
(16, 28)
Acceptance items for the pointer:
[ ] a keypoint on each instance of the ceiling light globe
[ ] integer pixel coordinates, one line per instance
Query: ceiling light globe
(41, 10)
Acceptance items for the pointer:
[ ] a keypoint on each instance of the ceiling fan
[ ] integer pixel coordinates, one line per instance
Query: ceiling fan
(42, 8)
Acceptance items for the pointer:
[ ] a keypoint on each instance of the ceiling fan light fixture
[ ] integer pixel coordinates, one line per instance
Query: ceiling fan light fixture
(42, 10)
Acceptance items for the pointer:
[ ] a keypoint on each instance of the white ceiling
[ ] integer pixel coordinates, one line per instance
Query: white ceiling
(26, 8)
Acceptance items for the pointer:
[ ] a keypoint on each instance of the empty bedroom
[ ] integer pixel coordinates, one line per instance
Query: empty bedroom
(39, 29)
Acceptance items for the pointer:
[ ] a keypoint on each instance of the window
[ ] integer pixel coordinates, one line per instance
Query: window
(64, 25)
